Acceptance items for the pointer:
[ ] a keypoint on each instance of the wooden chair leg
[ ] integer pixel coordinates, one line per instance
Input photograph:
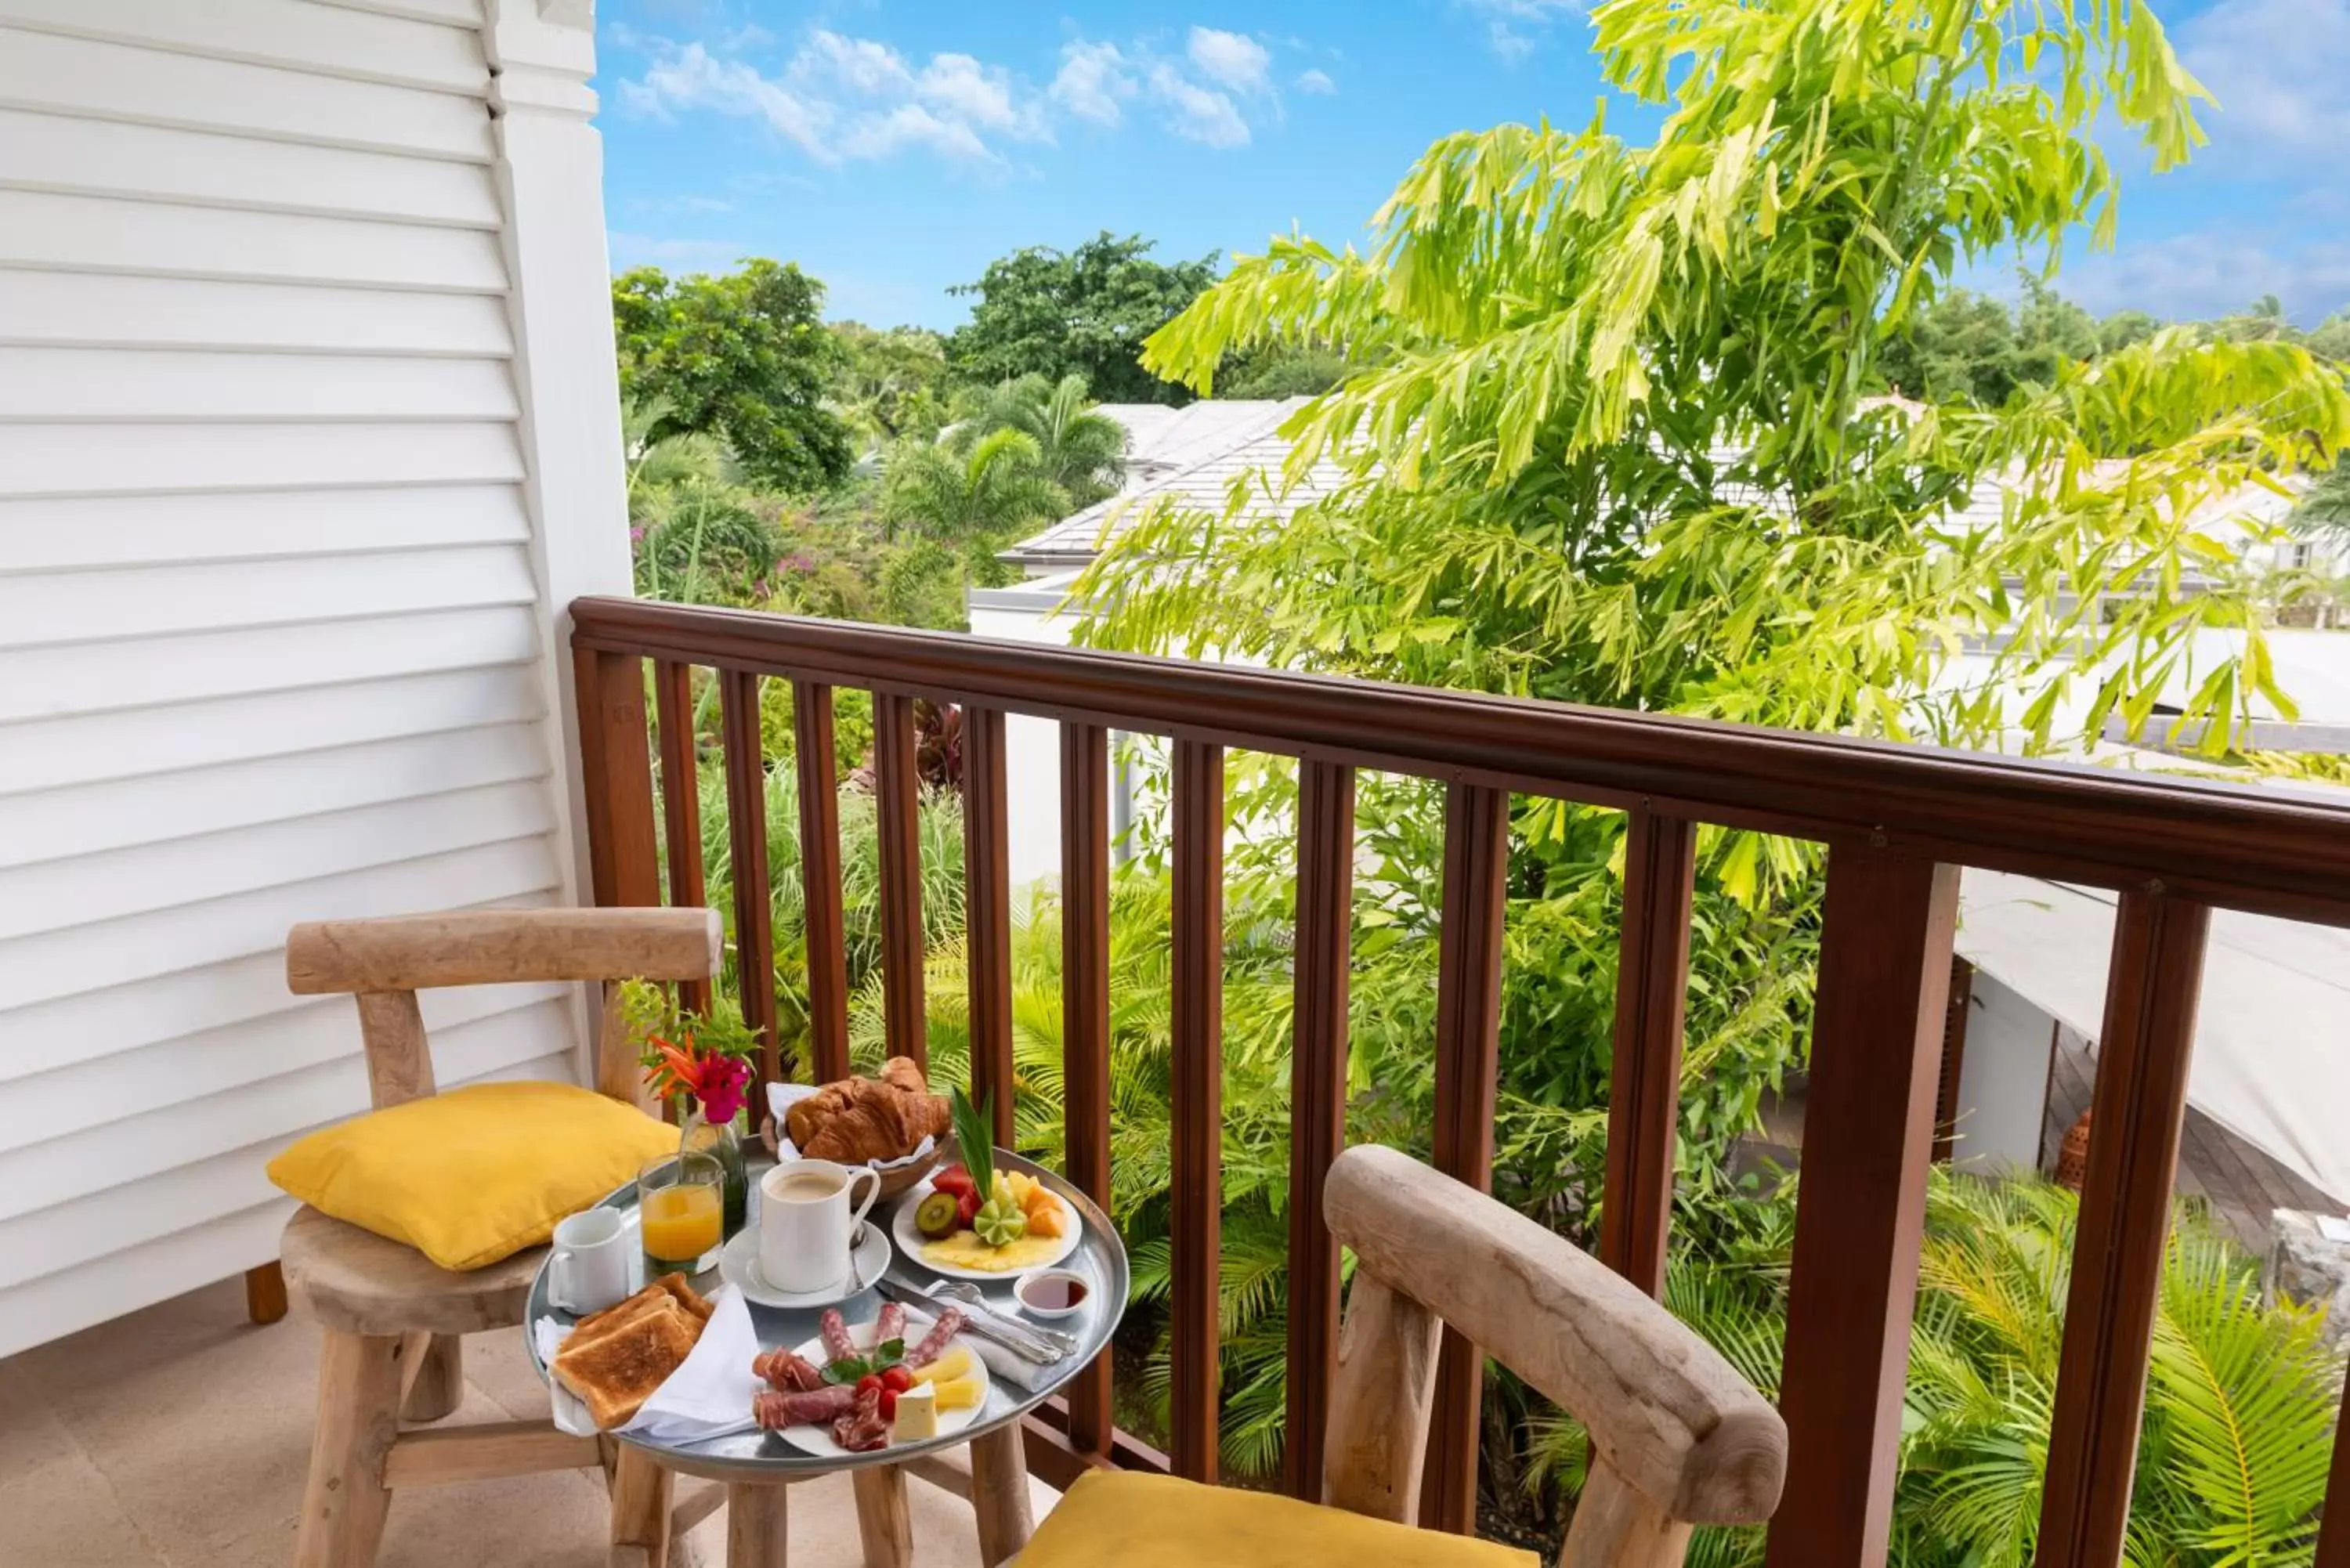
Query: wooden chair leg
(881, 1518)
(265, 1293)
(436, 1381)
(344, 1500)
(640, 1498)
(999, 1494)
(755, 1526)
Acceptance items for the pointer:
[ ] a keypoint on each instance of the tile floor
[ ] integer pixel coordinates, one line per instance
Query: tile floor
(177, 1437)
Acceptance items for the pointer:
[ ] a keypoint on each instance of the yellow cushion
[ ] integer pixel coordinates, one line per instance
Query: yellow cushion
(1131, 1521)
(475, 1175)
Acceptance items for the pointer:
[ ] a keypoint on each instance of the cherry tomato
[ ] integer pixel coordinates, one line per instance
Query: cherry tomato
(888, 1404)
(870, 1382)
(897, 1380)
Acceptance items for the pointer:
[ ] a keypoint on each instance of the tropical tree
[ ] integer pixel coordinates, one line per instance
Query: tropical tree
(976, 497)
(1618, 441)
(1085, 312)
(1080, 449)
(745, 357)
(890, 382)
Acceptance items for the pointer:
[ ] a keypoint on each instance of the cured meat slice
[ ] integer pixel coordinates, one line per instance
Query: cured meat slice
(790, 1372)
(861, 1429)
(774, 1409)
(833, 1330)
(934, 1344)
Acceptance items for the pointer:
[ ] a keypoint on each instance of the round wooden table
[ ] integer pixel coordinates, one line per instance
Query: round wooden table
(756, 1467)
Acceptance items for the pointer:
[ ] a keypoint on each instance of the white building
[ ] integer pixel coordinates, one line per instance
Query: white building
(307, 429)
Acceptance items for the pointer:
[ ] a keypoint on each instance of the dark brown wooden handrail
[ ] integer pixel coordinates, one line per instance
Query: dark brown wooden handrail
(2228, 846)
(1899, 822)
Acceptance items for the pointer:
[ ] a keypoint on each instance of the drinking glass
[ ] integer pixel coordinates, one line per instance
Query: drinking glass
(682, 1210)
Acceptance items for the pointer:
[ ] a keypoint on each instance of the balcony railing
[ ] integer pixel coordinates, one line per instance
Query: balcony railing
(1898, 823)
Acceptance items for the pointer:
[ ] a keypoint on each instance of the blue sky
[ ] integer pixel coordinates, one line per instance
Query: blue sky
(894, 146)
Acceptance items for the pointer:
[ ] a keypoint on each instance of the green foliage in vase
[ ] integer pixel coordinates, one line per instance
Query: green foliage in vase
(745, 356)
(1084, 312)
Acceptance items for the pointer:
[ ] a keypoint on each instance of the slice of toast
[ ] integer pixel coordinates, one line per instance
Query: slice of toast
(684, 1294)
(616, 1372)
(595, 1325)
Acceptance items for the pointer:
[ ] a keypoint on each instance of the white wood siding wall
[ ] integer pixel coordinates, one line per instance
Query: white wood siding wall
(270, 644)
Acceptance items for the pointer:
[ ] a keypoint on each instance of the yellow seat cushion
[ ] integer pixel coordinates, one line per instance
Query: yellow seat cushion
(475, 1175)
(1122, 1520)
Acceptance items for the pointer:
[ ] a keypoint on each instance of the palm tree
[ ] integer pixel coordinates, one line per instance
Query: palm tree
(974, 496)
(1081, 449)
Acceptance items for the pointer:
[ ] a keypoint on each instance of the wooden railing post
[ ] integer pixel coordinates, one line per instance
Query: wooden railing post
(1644, 1090)
(987, 913)
(1317, 1110)
(2140, 1104)
(897, 805)
(1468, 1067)
(1869, 1126)
(1085, 1019)
(1196, 1184)
(616, 777)
(745, 762)
(827, 951)
(680, 795)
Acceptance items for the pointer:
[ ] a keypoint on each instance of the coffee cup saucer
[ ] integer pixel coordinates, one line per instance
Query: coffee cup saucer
(738, 1265)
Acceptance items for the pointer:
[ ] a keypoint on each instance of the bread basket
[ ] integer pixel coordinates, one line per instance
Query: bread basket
(898, 1175)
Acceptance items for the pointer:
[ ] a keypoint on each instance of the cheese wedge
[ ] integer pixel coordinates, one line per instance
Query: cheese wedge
(918, 1414)
(947, 1368)
(961, 1394)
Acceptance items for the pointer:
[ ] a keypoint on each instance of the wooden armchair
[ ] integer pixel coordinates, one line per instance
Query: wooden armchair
(392, 1318)
(1678, 1437)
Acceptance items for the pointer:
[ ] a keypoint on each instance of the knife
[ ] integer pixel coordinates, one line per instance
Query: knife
(1015, 1337)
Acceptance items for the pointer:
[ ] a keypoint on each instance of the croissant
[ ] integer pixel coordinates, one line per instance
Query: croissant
(860, 1119)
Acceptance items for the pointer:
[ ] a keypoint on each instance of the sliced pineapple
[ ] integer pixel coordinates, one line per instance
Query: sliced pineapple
(961, 1394)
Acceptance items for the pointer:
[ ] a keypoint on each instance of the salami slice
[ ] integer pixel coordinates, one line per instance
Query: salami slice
(934, 1344)
(774, 1409)
(833, 1330)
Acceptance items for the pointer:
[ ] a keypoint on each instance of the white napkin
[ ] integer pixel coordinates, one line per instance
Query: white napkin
(1001, 1362)
(708, 1396)
(781, 1098)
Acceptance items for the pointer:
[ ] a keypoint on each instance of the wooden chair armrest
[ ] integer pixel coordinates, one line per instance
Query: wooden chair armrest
(489, 947)
(1672, 1419)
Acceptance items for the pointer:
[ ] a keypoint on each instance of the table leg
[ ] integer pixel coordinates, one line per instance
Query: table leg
(640, 1498)
(755, 1525)
(999, 1494)
(881, 1517)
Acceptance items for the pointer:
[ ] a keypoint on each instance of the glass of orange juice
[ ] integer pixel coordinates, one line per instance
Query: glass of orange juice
(682, 1210)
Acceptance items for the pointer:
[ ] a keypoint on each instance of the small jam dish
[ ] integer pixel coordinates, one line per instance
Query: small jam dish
(1052, 1292)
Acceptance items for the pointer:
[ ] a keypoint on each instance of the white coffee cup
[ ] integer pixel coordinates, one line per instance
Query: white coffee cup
(591, 1263)
(807, 1224)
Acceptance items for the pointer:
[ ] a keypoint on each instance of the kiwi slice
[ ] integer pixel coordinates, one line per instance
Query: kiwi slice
(935, 1216)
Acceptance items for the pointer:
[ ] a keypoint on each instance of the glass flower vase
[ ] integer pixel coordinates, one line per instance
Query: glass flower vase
(722, 1143)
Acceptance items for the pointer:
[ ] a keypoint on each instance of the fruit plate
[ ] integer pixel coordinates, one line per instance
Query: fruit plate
(817, 1440)
(912, 1246)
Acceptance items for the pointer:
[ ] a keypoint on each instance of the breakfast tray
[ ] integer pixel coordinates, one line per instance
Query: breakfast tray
(755, 1456)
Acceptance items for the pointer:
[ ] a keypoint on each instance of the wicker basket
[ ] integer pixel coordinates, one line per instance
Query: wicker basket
(896, 1179)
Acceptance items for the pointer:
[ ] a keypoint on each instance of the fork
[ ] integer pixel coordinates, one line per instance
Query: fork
(972, 1296)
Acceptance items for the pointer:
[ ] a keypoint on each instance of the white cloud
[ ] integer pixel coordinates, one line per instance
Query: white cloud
(1513, 27)
(983, 97)
(1197, 113)
(1315, 81)
(860, 64)
(1093, 81)
(2194, 276)
(691, 77)
(2277, 68)
(1231, 59)
(911, 125)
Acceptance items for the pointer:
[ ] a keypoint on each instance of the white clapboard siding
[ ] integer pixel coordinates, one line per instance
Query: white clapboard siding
(132, 741)
(102, 234)
(98, 385)
(56, 1303)
(151, 86)
(65, 963)
(313, 38)
(110, 158)
(191, 1068)
(235, 993)
(108, 606)
(88, 459)
(87, 678)
(58, 825)
(272, 644)
(49, 900)
(104, 310)
(79, 535)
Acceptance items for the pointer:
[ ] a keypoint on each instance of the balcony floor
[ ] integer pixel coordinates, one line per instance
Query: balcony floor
(177, 1437)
